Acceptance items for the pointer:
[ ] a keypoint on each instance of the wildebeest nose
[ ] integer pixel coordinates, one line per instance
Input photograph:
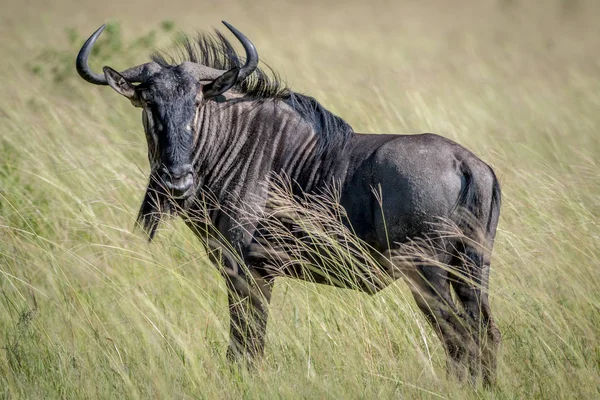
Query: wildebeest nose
(178, 179)
(179, 171)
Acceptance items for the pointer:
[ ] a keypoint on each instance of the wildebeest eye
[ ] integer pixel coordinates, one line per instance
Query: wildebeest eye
(146, 97)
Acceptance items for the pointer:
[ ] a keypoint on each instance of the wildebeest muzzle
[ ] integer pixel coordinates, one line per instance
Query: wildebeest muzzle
(178, 180)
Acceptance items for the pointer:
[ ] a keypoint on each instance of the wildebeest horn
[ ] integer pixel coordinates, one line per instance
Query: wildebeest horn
(133, 74)
(251, 53)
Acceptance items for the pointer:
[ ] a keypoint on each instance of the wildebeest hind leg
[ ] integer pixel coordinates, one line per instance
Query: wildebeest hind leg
(431, 290)
(471, 287)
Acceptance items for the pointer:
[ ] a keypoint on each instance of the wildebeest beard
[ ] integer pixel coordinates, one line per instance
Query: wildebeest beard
(158, 203)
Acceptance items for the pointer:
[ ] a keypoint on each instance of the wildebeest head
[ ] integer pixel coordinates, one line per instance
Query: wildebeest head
(170, 97)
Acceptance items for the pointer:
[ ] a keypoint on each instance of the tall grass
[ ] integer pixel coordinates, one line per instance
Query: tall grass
(89, 309)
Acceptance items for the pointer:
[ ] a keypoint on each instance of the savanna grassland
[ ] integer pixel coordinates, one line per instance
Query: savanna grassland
(88, 309)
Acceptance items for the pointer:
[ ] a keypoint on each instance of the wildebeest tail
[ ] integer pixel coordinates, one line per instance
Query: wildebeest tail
(478, 210)
(478, 205)
(494, 209)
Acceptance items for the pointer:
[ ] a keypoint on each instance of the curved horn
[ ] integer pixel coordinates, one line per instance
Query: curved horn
(251, 53)
(134, 74)
(82, 65)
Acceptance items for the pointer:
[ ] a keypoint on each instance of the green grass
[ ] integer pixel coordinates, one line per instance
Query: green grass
(88, 309)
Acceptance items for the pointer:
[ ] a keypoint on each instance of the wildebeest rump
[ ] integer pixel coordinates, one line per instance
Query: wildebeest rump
(219, 129)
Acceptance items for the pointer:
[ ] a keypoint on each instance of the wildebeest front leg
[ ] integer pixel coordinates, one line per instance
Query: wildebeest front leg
(248, 309)
(248, 295)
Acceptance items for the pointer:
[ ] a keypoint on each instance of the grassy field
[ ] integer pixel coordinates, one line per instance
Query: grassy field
(88, 309)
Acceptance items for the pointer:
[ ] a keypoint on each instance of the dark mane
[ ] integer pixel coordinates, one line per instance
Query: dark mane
(216, 51)
(331, 129)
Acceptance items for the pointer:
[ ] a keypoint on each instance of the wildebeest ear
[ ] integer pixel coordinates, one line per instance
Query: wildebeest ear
(119, 83)
(222, 84)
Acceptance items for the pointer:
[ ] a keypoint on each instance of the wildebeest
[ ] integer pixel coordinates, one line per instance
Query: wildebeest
(218, 128)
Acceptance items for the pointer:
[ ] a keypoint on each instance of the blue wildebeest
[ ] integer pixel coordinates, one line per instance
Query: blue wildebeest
(218, 128)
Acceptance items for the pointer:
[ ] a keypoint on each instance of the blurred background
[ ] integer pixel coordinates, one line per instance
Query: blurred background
(89, 309)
